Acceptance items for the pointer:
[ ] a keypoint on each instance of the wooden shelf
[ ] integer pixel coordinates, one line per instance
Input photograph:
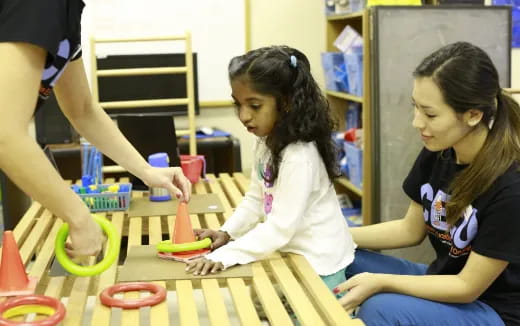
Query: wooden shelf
(350, 186)
(345, 96)
(358, 14)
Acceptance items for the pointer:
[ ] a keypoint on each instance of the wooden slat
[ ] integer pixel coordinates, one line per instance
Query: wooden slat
(271, 303)
(187, 307)
(131, 316)
(54, 287)
(242, 182)
(159, 312)
(140, 39)
(212, 221)
(132, 104)
(25, 224)
(239, 292)
(215, 306)
(234, 195)
(46, 253)
(306, 313)
(243, 304)
(141, 71)
(320, 293)
(217, 189)
(101, 314)
(77, 301)
(38, 233)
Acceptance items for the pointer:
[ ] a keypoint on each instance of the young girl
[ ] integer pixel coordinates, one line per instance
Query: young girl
(465, 195)
(291, 181)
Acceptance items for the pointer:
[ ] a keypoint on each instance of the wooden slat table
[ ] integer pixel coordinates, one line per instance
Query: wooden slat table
(219, 302)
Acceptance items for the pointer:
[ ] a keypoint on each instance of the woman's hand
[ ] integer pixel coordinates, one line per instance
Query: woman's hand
(218, 238)
(359, 288)
(86, 238)
(202, 266)
(171, 178)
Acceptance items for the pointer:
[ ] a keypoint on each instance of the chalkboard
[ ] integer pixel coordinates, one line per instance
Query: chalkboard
(402, 37)
(218, 29)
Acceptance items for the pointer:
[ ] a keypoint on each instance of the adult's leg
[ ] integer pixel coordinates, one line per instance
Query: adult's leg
(389, 309)
(373, 262)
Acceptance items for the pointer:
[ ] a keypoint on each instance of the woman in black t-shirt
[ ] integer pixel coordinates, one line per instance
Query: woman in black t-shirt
(40, 50)
(465, 191)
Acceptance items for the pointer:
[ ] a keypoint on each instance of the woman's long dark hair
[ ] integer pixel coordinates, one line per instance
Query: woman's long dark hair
(303, 111)
(468, 80)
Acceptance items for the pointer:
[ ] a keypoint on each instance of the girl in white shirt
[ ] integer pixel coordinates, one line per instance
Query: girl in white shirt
(291, 205)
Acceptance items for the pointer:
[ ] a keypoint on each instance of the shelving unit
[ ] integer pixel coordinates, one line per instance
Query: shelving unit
(359, 21)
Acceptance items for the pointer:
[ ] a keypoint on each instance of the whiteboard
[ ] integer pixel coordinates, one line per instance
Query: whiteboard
(217, 27)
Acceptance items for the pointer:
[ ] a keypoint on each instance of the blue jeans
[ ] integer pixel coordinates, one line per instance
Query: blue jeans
(388, 309)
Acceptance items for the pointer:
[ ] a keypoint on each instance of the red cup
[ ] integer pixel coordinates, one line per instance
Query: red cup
(192, 166)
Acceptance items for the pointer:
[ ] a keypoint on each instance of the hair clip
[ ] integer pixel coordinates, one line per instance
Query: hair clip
(293, 61)
(491, 123)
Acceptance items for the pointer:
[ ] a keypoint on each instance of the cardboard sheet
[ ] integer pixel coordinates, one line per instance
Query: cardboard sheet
(199, 204)
(142, 264)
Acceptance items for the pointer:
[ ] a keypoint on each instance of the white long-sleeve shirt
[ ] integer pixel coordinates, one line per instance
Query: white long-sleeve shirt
(301, 210)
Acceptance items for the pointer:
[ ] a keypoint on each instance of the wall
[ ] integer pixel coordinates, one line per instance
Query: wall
(299, 24)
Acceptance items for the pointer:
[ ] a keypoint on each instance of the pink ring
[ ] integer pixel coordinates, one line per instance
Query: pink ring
(37, 300)
(159, 294)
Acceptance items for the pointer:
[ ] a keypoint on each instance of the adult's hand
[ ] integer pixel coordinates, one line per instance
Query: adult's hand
(172, 179)
(359, 288)
(86, 238)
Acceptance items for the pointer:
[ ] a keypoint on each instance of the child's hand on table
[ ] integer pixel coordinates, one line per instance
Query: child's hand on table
(218, 238)
(202, 266)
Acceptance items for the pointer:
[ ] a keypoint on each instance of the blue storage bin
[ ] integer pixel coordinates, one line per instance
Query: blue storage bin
(334, 68)
(352, 116)
(354, 157)
(354, 68)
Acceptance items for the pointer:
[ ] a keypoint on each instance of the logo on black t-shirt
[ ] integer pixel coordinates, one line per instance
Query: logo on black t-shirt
(460, 235)
(55, 67)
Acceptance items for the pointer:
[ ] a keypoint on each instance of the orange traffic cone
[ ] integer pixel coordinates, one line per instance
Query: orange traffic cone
(13, 278)
(183, 233)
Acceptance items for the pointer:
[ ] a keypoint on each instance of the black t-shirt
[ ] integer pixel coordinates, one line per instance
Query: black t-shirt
(490, 226)
(54, 25)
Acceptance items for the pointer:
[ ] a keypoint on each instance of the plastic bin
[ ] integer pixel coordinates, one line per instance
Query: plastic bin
(354, 157)
(105, 197)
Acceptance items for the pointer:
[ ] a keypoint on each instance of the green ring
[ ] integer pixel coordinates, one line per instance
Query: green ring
(111, 256)
(168, 246)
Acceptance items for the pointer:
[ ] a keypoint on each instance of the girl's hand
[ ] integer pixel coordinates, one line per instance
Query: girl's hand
(218, 238)
(359, 288)
(202, 266)
(171, 178)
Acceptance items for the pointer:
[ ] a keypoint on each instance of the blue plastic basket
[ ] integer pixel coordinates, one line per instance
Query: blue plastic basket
(104, 200)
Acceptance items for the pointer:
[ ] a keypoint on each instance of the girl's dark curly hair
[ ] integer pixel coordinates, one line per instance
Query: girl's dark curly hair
(304, 113)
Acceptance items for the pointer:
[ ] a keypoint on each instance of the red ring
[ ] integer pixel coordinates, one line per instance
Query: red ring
(33, 299)
(159, 294)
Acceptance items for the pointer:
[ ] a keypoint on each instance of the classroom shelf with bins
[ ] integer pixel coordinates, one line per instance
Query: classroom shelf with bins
(359, 21)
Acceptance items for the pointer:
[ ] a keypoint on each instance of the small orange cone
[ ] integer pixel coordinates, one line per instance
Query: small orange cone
(13, 278)
(183, 233)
